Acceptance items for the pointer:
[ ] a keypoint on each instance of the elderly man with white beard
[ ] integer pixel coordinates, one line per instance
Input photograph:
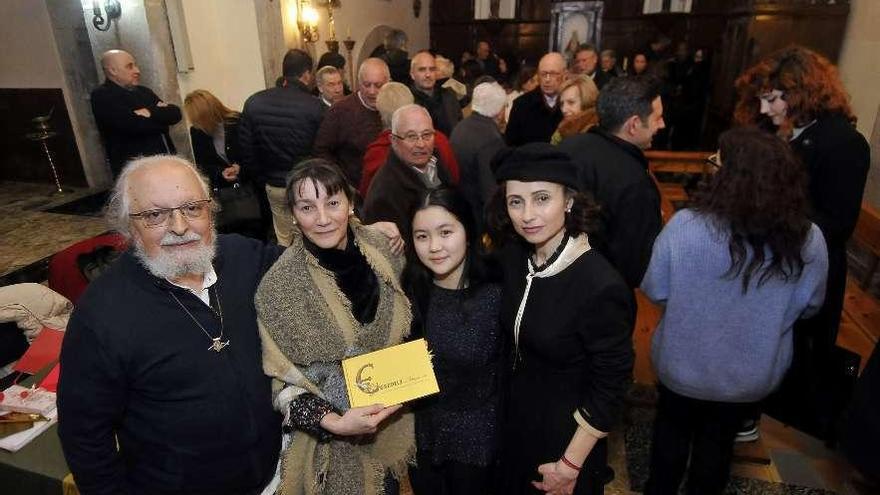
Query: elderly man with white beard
(162, 388)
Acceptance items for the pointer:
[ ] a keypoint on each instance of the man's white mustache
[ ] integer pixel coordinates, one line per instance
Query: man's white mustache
(172, 239)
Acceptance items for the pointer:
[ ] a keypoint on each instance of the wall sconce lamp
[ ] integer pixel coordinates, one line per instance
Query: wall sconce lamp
(113, 10)
(308, 22)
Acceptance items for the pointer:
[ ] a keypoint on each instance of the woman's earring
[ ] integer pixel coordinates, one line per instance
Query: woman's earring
(351, 212)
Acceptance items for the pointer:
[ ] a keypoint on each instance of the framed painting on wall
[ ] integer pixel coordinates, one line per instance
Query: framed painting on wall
(573, 24)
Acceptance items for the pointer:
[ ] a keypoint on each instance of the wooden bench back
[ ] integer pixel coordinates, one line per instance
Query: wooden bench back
(867, 233)
(679, 162)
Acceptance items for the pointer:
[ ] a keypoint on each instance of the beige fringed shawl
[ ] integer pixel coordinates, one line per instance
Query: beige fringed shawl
(305, 321)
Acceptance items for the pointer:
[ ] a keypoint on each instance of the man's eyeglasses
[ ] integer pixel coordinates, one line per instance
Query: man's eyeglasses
(159, 216)
(413, 138)
(549, 74)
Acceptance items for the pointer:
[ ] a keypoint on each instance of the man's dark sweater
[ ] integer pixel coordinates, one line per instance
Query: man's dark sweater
(348, 128)
(137, 368)
(396, 191)
(616, 173)
(126, 134)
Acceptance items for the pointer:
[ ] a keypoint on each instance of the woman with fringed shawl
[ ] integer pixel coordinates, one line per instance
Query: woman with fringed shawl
(333, 294)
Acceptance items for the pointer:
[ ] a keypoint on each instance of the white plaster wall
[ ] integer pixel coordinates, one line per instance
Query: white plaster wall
(28, 58)
(860, 61)
(860, 70)
(225, 48)
(358, 18)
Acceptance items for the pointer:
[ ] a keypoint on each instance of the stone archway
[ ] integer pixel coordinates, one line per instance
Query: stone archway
(375, 38)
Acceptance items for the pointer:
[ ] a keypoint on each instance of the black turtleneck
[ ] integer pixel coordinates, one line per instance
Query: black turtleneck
(354, 276)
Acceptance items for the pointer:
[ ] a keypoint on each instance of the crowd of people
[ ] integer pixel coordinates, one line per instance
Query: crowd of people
(513, 243)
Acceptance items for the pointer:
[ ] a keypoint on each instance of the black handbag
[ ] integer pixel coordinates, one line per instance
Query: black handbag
(239, 208)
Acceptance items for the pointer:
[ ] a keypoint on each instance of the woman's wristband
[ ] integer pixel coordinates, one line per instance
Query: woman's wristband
(569, 463)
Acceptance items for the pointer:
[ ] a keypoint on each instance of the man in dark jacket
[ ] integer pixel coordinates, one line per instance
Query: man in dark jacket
(475, 141)
(162, 354)
(586, 62)
(614, 168)
(411, 171)
(441, 102)
(132, 120)
(277, 131)
(536, 114)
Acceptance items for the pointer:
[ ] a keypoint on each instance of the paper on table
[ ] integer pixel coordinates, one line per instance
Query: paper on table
(15, 442)
(391, 376)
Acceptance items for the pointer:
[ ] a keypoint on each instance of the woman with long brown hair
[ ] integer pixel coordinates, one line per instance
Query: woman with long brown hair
(798, 94)
(733, 274)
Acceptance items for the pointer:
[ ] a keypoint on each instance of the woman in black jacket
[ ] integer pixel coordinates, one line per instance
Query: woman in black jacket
(798, 94)
(214, 134)
(570, 316)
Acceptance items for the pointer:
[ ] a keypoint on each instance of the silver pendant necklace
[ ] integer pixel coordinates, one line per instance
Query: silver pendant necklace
(217, 343)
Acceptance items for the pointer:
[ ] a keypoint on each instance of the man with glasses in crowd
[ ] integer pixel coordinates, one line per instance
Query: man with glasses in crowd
(412, 170)
(351, 124)
(162, 388)
(536, 114)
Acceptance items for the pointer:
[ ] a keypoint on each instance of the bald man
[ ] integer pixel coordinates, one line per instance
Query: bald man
(133, 121)
(536, 114)
(351, 124)
(440, 102)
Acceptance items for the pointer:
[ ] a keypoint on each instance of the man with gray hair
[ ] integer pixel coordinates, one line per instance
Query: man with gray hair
(331, 88)
(475, 140)
(412, 169)
(353, 123)
(162, 389)
(132, 120)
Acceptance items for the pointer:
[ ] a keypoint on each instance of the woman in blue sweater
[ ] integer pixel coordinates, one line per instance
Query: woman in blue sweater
(734, 273)
(456, 304)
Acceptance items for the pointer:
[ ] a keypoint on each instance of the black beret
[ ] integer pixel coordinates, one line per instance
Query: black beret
(535, 162)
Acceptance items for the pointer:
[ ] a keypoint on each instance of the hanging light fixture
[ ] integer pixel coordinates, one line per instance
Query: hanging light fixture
(112, 9)
(308, 22)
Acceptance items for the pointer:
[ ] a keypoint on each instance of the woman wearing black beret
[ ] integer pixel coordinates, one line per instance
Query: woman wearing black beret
(569, 315)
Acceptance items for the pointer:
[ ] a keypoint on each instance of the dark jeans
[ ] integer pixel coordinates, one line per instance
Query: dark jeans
(449, 478)
(705, 430)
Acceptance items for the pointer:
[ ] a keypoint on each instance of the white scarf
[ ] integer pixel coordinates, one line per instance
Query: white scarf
(573, 250)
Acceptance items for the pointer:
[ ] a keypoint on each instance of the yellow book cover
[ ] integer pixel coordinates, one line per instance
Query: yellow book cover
(391, 376)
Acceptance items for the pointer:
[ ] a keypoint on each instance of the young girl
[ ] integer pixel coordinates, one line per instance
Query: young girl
(455, 307)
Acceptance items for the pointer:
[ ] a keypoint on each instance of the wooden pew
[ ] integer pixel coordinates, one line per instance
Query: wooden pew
(861, 309)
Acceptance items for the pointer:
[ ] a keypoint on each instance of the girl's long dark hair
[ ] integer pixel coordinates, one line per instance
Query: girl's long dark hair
(478, 269)
(759, 197)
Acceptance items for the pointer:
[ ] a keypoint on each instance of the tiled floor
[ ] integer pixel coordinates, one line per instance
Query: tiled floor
(28, 234)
